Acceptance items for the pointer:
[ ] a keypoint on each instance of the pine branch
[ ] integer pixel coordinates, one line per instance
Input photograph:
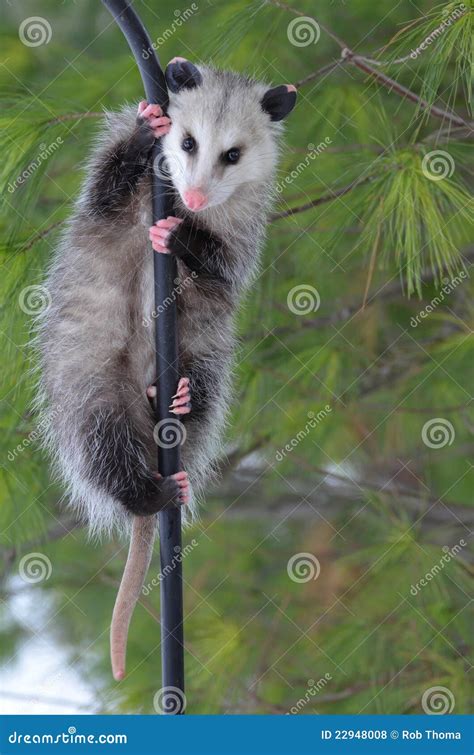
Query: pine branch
(41, 235)
(322, 200)
(442, 510)
(388, 291)
(446, 135)
(403, 91)
(316, 74)
(367, 65)
(74, 117)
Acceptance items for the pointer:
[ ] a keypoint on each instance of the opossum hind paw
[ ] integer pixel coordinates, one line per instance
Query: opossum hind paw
(181, 481)
(181, 401)
(159, 493)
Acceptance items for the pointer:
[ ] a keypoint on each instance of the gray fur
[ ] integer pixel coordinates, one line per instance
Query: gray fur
(96, 341)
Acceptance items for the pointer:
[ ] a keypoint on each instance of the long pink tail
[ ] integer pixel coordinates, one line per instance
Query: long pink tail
(138, 561)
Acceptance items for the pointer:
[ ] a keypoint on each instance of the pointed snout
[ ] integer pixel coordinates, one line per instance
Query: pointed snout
(195, 199)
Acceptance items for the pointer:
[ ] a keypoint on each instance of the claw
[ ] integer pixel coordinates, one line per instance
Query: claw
(181, 403)
(183, 387)
(180, 410)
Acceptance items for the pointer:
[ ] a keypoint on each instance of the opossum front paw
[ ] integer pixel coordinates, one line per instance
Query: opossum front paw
(177, 486)
(160, 233)
(153, 114)
(181, 403)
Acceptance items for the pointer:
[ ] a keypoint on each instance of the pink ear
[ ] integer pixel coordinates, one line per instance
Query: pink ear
(177, 60)
(291, 88)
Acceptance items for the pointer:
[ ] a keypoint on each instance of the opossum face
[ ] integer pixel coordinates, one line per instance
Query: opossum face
(223, 137)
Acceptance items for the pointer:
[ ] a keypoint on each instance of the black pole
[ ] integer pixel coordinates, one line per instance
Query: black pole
(166, 347)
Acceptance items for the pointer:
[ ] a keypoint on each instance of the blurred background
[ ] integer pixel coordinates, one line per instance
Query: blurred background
(330, 570)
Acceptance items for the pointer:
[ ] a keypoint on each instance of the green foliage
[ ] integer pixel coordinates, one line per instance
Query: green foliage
(326, 450)
(423, 222)
(446, 32)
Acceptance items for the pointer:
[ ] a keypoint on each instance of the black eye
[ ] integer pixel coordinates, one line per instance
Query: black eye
(188, 144)
(232, 156)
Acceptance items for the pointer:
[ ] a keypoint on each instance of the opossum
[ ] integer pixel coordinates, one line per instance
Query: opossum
(220, 143)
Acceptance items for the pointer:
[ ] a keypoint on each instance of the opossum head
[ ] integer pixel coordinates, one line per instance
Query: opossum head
(224, 133)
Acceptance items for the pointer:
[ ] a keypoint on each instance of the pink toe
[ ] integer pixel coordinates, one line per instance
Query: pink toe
(160, 237)
(160, 248)
(181, 410)
(168, 223)
(181, 400)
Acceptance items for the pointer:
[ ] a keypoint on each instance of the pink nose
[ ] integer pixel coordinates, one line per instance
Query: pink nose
(195, 199)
